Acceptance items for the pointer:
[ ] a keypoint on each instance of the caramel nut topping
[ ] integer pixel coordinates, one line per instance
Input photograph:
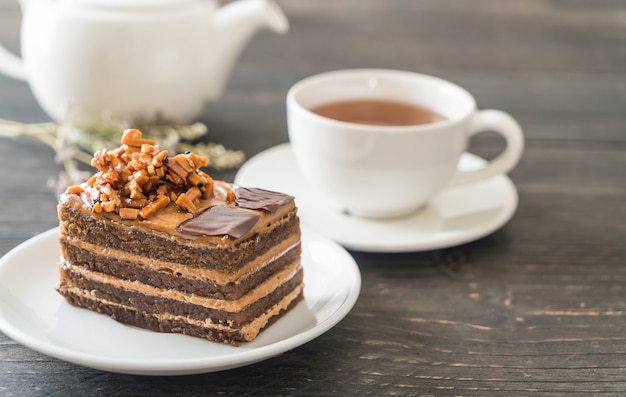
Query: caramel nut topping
(138, 179)
(129, 213)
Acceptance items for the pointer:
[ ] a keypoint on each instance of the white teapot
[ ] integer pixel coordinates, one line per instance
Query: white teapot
(133, 58)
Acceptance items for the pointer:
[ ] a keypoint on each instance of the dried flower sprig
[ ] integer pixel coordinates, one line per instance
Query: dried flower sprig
(73, 144)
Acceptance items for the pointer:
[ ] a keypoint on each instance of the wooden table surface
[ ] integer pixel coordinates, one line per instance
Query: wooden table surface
(536, 308)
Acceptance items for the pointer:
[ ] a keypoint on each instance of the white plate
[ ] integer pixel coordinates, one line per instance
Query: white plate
(455, 216)
(35, 315)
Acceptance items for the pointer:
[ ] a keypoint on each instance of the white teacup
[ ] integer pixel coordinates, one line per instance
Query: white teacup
(384, 171)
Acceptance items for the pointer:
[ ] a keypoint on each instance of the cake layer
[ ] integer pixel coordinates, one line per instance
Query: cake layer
(230, 256)
(169, 275)
(152, 300)
(207, 312)
(178, 324)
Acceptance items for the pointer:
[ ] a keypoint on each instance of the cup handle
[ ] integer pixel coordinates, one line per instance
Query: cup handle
(505, 125)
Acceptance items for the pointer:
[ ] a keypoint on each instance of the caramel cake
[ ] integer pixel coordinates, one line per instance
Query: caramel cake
(154, 242)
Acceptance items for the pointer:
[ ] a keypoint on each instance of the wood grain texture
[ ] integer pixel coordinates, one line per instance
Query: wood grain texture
(536, 308)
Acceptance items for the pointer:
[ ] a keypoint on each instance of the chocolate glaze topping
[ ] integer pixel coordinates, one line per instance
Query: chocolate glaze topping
(219, 220)
(260, 199)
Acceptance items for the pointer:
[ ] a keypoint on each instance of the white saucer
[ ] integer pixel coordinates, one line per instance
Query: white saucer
(35, 315)
(455, 216)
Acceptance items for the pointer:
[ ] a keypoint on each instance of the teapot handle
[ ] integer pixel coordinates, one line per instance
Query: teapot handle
(12, 65)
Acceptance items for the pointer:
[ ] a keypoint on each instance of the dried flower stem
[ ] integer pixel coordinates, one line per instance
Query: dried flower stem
(73, 144)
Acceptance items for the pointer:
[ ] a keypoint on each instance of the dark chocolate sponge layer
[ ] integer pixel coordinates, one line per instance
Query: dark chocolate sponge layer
(146, 321)
(153, 305)
(165, 278)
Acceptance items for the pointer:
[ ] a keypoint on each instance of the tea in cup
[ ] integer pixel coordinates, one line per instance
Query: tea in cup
(381, 143)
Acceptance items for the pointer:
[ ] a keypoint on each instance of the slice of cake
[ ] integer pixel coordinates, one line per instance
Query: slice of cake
(154, 242)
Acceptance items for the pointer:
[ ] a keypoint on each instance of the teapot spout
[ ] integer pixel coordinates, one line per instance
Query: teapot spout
(236, 22)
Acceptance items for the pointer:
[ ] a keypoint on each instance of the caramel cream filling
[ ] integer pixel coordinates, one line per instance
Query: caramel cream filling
(233, 306)
(189, 271)
(248, 331)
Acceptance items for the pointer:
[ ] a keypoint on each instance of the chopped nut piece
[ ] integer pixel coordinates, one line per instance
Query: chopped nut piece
(175, 179)
(108, 206)
(76, 189)
(195, 180)
(135, 203)
(136, 194)
(186, 164)
(160, 203)
(207, 187)
(159, 158)
(162, 190)
(92, 180)
(198, 161)
(193, 194)
(132, 137)
(139, 178)
(185, 203)
(173, 197)
(111, 177)
(177, 168)
(129, 213)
